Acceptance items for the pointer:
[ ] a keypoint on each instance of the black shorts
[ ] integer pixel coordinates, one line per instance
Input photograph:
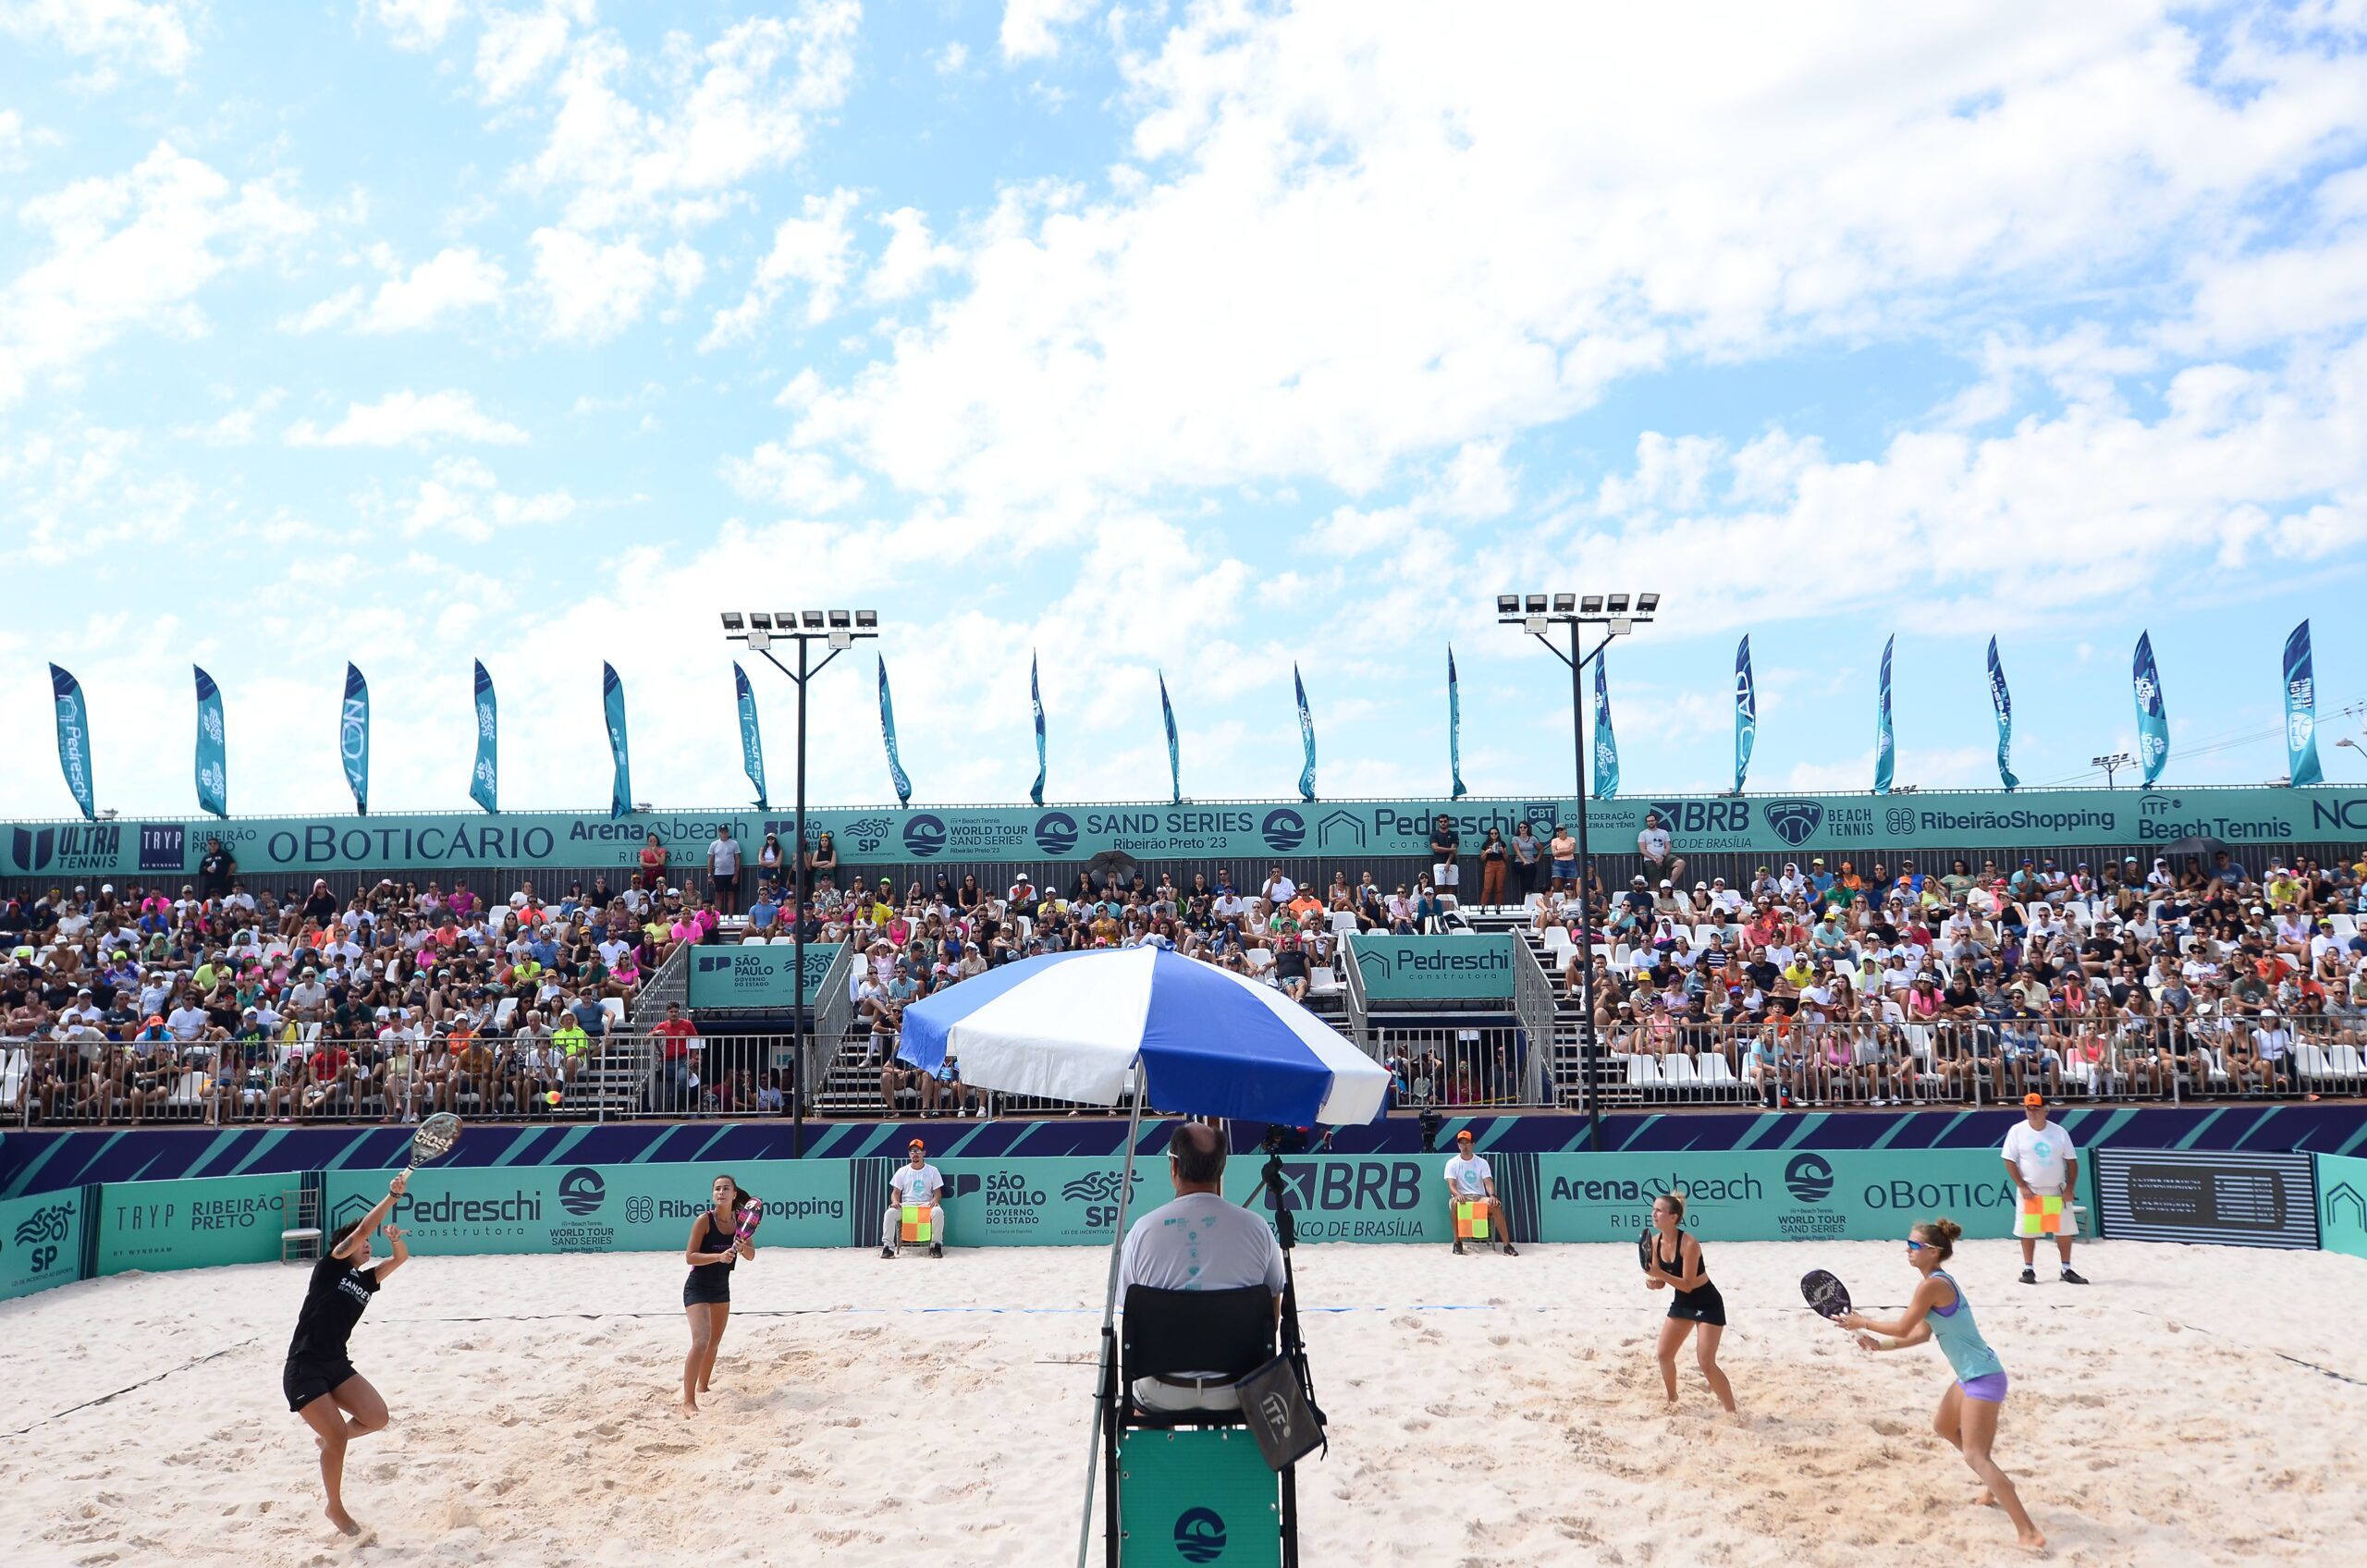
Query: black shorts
(707, 1292)
(1704, 1305)
(303, 1381)
(726, 881)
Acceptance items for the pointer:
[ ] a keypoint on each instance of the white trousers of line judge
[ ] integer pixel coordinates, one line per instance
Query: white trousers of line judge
(893, 1222)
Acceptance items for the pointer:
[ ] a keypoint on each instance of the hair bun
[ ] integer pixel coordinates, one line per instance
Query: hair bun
(1948, 1229)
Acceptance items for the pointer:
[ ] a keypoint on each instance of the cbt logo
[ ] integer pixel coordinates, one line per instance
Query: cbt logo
(40, 1231)
(1284, 831)
(1199, 1535)
(1056, 833)
(1810, 1178)
(1793, 821)
(581, 1191)
(925, 836)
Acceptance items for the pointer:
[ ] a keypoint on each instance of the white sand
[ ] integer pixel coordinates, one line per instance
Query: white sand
(2152, 1420)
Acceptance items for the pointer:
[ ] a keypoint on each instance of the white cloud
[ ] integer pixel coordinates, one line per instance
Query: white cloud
(742, 105)
(75, 492)
(453, 280)
(594, 292)
(811, 250)
(130, 252)
(516, 47)
(408, 418)
(910, 258)
(803, 482)
(118, 32)
(462, 498)
(949, 60)
(236, 428)
(415, 24)
(1031, 27)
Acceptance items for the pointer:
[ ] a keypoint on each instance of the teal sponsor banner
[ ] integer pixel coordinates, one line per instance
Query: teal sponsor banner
(191, 1224)
(1349, 831)
(748, 975)
(1398, 969)
(1062, 1201)
(1779, 1195)
(41, 1243)
(2342, 1204)
(557, 1208)
(1351, 1197)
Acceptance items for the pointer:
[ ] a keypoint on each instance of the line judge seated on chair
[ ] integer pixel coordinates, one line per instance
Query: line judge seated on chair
(1473, 1207)
(1197, 1242)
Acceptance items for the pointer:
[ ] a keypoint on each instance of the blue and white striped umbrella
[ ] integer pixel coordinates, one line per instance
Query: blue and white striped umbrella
(1068, 1026)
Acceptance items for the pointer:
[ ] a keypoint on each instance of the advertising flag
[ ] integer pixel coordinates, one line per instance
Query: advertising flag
(2301, 711)
(1746, 713)
(1606, 742)
(73, 738)
(1884, 747)
(213, 749)
(2152, 719)
(1454, 729)
(353, 737)
(2003, 700)
(485, 779)
(612, 701)
(1036, 701)
(752, 737)
(1307, 737)
(896, 774)
(1175, 763)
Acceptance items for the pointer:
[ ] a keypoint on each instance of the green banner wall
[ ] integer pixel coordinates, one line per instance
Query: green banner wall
(192, 1224)
(2342, 1204)
(1773, 826)
(1398, 969)
(41, 1241)
(757, 976)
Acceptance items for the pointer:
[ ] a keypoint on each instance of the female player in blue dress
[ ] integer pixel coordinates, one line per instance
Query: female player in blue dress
(1969, 1411)
(715, 1245)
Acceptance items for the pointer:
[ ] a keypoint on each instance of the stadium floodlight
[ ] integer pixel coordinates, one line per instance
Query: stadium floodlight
(1535, 605)
(760, 621)
(1508, 603)
(1536, 625)
(1592, 604)
(1619, 625)
(840, 619)
(731, 621)
(1616, 603)
(1647, 603)
(785, 619)
(1565, 604)
(813, 619)
(867, 619)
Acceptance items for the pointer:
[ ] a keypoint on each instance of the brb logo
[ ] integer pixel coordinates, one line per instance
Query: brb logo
(1794, 820)
(41, 1230)
(581, 1191)
(925, 836)
(1705, 817)
(1284, 831)
(1810, 1178)
(1199, 1535)
(1056, 833)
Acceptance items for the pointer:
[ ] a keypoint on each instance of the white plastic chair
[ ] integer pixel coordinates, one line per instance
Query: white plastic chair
(1677, 1071)
(1714, 1071)
(1343, 923)
(1257, 960)
(2345, 926)
(505, 1013)
(1322, 982)
(1643, 1073)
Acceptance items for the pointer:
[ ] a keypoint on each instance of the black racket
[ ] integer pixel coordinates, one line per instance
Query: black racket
(1644, 1251)
(1826, 1295)
(434, 1138)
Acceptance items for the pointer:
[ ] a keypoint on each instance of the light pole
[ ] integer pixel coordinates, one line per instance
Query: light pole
(2112, 764)
(761, 630)
(1617, 617)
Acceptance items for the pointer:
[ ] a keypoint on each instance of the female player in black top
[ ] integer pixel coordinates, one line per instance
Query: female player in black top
(711, 1252)
(322, 1386)
(1673, 1261)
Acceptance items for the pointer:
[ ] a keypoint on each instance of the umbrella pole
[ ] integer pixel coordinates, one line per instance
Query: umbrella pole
(1109, 1321)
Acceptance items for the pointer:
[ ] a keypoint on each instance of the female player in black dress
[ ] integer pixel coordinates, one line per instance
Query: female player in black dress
(1673, 1261)
(711, 1252)
(322, 1386)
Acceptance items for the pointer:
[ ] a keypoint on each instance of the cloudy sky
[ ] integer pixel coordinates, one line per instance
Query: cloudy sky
(1199, 337)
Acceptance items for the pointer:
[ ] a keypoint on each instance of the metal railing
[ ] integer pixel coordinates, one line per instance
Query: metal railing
(1534, 1004)
(1465, 1064)
(1352, 979)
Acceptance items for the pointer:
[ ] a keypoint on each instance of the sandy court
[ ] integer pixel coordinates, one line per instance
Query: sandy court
(1484, 1409)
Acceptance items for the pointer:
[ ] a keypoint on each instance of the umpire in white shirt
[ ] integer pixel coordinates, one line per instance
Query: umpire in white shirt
(1197, 1242)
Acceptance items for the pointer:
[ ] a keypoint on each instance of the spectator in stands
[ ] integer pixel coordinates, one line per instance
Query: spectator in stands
(1446, 849)
(1528, 856)
(678, 1037)
(723, 869)
(1660, 857)
(1563, 850)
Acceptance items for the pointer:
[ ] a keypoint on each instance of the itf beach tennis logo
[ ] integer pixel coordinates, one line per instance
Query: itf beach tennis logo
(1056, 832)
(1199, 1535)
(1283, 830)
(581, 1191)
(1793, 821)
(925, 836)
(1810, 1178)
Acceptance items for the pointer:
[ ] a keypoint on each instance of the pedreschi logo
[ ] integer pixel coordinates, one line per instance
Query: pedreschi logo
(581, 1191)
(1199, 1535)
(925, 836)
(1284, 831)
(1375, 962)
(1056, 832)
(1793, 821)
(1810, 1178)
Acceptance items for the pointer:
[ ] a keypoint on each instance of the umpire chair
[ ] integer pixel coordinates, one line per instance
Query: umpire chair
(1184, 1487)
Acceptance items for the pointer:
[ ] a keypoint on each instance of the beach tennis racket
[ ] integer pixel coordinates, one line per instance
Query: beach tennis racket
(434, 1138)
(1826, 1295)
(1644, 1251)
(751, 1216)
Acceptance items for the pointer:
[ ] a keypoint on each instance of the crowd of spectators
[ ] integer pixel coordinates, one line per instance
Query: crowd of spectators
(400, 1000)
(1819, 983)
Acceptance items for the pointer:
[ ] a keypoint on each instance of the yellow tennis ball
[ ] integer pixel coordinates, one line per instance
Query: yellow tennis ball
(552, 1097)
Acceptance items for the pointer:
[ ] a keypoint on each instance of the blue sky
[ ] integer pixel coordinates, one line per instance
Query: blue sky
(1207, 339)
